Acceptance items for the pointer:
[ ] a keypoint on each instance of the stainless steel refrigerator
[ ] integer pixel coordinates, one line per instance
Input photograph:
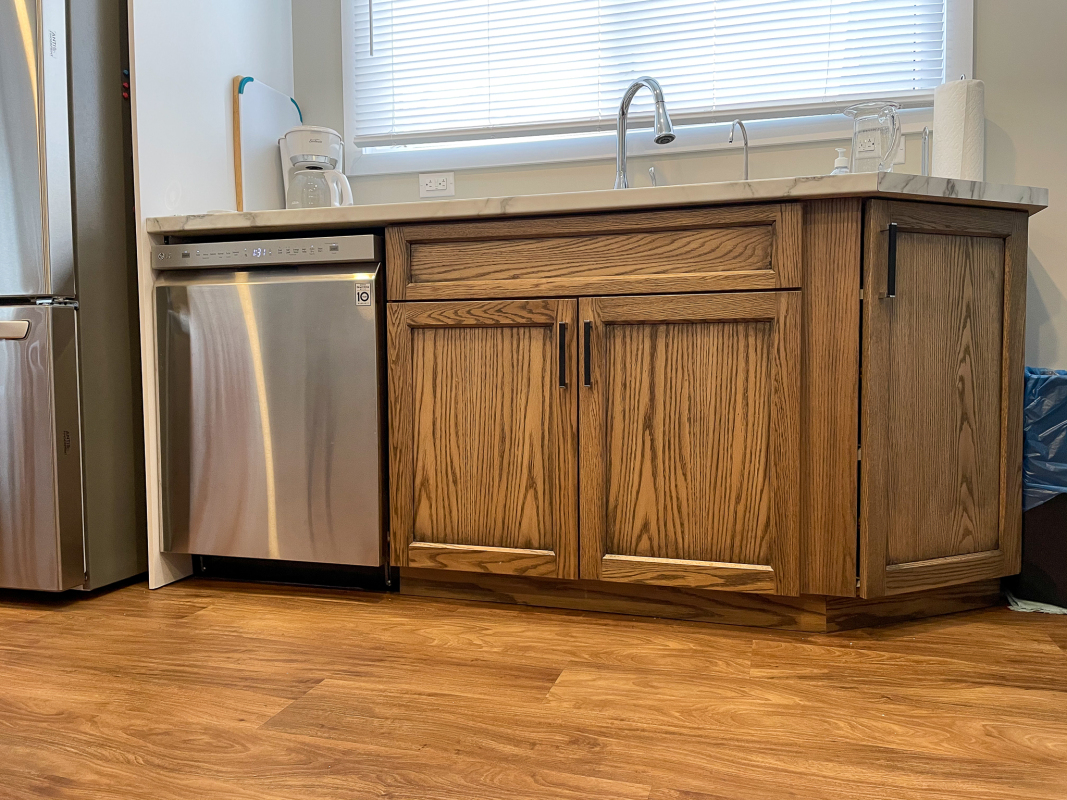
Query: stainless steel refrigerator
(71, 441)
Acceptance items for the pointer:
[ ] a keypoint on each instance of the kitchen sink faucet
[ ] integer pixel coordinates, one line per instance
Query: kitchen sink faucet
(664, 129)
(739, 124)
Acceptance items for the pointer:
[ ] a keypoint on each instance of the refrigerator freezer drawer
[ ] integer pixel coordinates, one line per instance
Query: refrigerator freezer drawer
(269, 404)
(40, 450)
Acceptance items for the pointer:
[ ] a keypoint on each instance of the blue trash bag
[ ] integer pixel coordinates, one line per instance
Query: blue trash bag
(1044, 436)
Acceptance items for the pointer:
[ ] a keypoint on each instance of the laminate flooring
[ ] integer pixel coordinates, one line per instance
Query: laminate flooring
(218, 690)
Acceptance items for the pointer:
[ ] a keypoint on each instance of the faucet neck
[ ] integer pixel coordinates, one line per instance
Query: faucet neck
(653, 86)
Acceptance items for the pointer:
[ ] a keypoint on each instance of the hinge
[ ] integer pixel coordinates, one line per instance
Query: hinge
(859, 454)
(58, 302)
(861, 294)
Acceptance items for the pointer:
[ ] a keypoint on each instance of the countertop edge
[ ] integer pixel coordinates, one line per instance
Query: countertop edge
(888, 185)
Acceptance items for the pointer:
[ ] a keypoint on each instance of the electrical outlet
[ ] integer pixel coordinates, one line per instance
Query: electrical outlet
(437, 184)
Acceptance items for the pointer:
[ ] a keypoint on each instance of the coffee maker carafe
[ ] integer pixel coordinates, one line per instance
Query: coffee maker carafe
(311, 168)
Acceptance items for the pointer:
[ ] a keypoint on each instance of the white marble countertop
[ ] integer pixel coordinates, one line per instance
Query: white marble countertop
(883, 184)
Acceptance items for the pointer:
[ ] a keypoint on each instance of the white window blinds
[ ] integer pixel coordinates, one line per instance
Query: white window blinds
(424, 71)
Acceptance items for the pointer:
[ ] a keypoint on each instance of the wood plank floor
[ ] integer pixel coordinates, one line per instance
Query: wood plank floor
(212, 690)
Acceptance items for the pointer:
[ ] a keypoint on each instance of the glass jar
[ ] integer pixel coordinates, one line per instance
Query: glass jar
(875, 136)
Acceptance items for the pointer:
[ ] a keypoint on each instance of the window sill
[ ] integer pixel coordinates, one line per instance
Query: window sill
(601, 146)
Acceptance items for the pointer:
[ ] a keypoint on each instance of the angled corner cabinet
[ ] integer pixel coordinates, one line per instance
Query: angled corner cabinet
(798, 414)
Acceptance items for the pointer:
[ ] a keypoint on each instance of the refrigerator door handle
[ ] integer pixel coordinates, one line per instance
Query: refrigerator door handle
(14, 328)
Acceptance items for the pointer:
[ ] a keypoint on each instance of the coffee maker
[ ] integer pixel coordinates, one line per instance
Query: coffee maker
(311, 168)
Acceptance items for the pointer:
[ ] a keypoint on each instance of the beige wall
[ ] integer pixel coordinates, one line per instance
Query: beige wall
(1020, 52)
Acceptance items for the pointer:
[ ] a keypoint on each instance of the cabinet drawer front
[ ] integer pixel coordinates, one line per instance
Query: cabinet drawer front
(752, 247)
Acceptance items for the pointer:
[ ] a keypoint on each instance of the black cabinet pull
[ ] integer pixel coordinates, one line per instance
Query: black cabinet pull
(891, 274)
(587, 349)
(563, 355)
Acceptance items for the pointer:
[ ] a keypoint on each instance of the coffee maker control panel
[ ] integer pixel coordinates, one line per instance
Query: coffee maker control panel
(268, 252)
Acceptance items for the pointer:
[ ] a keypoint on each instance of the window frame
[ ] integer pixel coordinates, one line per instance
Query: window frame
(766, 127)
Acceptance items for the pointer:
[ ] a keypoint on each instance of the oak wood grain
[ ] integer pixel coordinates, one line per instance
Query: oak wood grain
(733, 248)
(694, 401)
(482, 437)
(687, 475)
(830, 400)
(635, 599)
(496, 559)
(483, 467)
(724, 605)
(953, 220)
(681, 572)
(945, 339)
(578, 284)
(951, 570)
(847, 613)
(1013, 362)
(635, 254)
(593, 224)
(940, 400)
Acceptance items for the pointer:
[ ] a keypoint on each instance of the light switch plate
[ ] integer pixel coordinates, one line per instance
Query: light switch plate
(437, 184)
(899, 158)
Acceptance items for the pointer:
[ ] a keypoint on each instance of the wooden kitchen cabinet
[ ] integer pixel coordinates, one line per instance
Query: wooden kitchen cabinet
(711, 413)
(690, 440)
(941, 500)
(483, 436)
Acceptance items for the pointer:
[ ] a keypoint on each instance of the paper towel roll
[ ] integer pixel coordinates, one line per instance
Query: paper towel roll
(959, 130)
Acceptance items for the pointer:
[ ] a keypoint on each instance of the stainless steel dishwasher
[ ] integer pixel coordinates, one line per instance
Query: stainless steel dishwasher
(270, 398)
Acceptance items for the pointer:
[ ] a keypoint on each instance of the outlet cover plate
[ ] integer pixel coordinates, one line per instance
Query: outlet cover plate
(437, 184)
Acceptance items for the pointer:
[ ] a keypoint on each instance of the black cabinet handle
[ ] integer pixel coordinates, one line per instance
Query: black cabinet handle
(563, 355)
(891, 273)
(587, 349)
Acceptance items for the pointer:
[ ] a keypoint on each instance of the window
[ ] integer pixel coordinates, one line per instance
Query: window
(420, 71)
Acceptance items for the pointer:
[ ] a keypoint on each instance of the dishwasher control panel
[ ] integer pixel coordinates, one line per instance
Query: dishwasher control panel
(268, 252)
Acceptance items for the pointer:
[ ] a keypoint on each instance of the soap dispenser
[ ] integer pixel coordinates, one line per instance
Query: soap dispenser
(840, 163)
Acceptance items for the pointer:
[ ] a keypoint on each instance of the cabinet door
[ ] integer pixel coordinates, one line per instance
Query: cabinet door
(483, 436)
(691, 440)
(941, 469)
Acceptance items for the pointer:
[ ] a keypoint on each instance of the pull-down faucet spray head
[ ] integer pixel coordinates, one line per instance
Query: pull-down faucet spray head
(664, 129)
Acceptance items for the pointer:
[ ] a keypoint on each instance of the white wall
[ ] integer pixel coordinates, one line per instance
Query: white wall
(1019, 53)
(185, 56)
